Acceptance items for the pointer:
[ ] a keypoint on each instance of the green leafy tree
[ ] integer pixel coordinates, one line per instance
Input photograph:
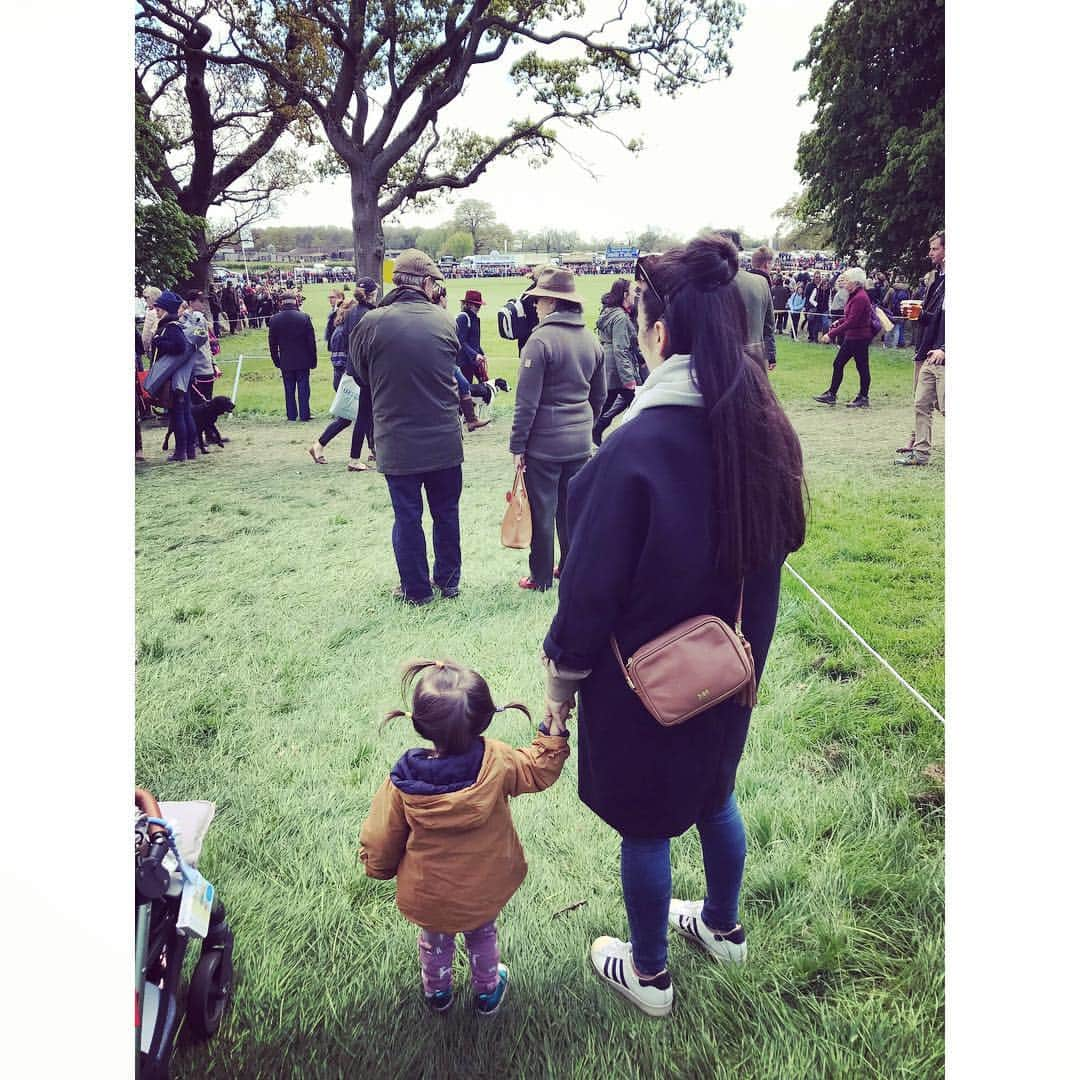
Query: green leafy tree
(379, 76)
(216, 130)
(433, 240)
(163, 246)
(458, 244)
(655, 239)
(800, 229)
(874, 162)
(476, 218)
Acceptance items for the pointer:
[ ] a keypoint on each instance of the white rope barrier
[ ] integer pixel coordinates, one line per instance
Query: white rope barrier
(862, 641)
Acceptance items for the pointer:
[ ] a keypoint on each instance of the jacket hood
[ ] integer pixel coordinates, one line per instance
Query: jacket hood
(457, 792)
(607, 316)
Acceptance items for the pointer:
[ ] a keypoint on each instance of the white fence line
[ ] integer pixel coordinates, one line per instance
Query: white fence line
(862, 641)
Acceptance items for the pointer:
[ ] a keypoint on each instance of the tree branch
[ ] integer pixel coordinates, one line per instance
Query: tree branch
(515, 140)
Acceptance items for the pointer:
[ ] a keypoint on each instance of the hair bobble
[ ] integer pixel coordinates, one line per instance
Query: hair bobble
(500, 708)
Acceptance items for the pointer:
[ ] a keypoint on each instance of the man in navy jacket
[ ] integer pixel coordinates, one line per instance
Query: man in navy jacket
(292, 348)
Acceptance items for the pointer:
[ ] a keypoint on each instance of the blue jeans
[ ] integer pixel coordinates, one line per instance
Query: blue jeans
(443, 487)
(183, 425)
(296, 384)
(462, 383)
(646, 883)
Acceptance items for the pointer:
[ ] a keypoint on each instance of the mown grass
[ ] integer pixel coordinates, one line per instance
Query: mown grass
(268, 650)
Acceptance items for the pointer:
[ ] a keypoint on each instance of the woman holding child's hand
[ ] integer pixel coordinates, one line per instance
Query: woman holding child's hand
(698, 496)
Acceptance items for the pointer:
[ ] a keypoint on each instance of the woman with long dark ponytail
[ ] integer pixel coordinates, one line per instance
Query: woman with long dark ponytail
(695, 505)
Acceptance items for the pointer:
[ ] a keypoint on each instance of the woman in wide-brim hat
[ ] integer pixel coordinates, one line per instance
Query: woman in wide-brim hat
(560, 392)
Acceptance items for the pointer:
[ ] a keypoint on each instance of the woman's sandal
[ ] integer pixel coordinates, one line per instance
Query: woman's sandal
(358, 467)
(317, 458)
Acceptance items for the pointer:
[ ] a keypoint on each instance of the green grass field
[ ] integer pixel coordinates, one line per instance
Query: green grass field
(268, 650)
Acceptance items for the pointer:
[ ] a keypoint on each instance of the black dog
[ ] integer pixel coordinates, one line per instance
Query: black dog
(206, 415)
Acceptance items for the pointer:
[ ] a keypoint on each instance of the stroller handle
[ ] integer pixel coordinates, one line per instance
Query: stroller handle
(146, 802)
(151, 877)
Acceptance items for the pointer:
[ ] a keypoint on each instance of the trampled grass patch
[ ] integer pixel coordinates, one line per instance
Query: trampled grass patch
(268, 651)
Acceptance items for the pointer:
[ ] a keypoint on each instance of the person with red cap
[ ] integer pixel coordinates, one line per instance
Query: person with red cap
(470, 356)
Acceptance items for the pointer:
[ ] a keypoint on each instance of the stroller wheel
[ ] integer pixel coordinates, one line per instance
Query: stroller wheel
(211, 986)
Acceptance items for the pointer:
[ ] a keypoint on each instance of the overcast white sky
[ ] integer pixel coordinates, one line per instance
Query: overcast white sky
(719, 155)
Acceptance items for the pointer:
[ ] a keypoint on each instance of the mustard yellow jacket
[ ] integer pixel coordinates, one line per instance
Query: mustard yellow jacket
(456, 855)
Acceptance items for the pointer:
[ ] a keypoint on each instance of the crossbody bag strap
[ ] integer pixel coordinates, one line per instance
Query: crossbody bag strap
(738, 614)
(622, 664)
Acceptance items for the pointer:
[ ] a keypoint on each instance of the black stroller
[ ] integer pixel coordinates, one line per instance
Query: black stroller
(173, 905)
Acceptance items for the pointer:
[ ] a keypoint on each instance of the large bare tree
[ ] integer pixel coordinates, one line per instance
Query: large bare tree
(379, 75)
(216, 128)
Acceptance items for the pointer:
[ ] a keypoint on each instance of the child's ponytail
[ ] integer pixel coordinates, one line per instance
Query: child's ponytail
(515, 705)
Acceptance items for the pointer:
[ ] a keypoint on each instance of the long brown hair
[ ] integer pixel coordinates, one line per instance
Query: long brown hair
(757, 460)
(451, 704)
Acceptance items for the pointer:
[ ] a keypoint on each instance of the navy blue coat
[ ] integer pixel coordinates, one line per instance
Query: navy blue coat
(468, 332)
(641, 558)
(291, 338)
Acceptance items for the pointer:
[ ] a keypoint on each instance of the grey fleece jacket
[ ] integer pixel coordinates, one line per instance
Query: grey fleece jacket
(560, 390)
(616, 339)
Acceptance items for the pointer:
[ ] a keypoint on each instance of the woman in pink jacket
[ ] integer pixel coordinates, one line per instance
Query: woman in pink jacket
(857, 328)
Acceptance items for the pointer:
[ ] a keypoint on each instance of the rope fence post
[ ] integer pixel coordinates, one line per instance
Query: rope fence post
(236, 380)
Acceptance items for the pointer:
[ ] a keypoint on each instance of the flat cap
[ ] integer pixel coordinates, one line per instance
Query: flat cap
(415, 261)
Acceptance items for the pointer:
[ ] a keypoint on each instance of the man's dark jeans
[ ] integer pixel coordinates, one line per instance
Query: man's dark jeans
(545, 484)
(443, 487)
(297, 384)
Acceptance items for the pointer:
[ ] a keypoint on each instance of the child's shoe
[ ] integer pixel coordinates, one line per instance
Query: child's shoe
(612, 961)
(488, 1004)
(440, 1001)
(729, 948)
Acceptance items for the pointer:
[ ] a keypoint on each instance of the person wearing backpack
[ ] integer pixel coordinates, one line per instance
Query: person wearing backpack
(518, 318)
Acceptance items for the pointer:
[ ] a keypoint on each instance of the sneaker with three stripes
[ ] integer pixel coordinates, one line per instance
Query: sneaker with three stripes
(728, 947)
(612, 960)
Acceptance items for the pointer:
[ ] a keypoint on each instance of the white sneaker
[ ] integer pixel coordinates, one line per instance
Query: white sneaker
(729, 948)
(611, 958)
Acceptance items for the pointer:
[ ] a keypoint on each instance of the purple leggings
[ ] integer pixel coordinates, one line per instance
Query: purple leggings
(437, 959)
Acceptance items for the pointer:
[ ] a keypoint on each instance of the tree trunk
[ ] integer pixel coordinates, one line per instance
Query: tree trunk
(368, 243)
(198, 276)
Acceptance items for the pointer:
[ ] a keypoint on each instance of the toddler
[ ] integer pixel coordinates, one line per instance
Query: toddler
(441, 824)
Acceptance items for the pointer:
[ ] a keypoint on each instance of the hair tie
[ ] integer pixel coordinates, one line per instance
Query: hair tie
(439, 664)
(500, 708)
(408, 716)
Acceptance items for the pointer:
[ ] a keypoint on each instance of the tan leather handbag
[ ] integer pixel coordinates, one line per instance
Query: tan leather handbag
(693, 666)
(516, 529)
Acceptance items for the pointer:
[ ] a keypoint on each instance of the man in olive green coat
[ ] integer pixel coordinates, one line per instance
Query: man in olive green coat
(760, 319)
(405, 351)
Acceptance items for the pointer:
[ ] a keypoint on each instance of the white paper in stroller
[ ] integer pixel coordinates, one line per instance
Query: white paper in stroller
(190, 822)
